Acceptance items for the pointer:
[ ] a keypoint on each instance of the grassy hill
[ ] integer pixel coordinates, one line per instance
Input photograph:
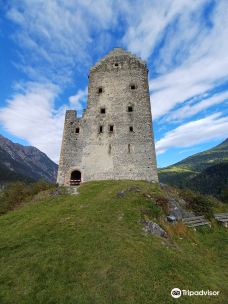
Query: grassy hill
(205, 172)
(91, 248)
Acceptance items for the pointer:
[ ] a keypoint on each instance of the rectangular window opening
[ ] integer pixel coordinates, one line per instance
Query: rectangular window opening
(77, 130)
(101, 129)
(111, 128)
(130, 109)
(100, 90)
(102, 110)
(130, 129)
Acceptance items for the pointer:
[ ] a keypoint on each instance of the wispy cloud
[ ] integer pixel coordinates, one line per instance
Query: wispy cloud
(190, 108)
(195, 132)
(30, 115)
(204, 68)
(148, 21)
(58, 35)
(54, 42)
(78, 101)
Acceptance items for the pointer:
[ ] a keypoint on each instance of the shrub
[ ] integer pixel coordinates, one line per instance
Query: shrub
(198, 203)
(177, 230)
(151, 211)
(163, 203)
(224, 195)
(14, 194)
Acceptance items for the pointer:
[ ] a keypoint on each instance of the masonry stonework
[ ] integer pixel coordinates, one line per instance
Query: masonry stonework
(114, 137)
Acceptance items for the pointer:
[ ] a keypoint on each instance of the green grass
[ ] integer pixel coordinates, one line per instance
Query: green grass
(177, 169)
(91, 248)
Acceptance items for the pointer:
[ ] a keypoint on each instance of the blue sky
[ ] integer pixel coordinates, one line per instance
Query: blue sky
(47, 48)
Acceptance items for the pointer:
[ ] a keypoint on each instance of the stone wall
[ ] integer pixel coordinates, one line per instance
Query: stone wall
(118, 83)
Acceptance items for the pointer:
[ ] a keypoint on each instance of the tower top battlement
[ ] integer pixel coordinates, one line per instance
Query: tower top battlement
(118, 54)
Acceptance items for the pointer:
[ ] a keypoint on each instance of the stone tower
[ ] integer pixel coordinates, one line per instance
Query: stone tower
(114, 137)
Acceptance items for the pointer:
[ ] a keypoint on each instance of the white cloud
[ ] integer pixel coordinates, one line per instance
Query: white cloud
(147, 21)
(186, 82)
(54, 40)
(78, 101)
(204, 68)
(31, 116)
(194, 132)
(192, 109)
(58, 35)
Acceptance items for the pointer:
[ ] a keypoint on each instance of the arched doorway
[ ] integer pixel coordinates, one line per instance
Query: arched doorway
(75, 178)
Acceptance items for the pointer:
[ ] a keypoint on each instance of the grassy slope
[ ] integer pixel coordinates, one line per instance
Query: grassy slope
(91, 248)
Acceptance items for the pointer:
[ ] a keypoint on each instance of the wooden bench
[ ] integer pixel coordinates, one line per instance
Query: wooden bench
(195, 221)
(222, 218)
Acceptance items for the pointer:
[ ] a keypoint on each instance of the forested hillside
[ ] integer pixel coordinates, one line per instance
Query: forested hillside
(206, 172)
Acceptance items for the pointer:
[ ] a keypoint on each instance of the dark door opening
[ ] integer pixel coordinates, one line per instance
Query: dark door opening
(75, 178)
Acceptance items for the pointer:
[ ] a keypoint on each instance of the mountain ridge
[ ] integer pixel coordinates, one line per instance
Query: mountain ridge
(27, 163)
(210, 155)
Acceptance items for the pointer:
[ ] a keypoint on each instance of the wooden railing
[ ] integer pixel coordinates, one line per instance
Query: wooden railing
(75, 182)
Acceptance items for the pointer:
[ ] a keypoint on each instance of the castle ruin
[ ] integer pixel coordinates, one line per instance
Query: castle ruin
(114, 137)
